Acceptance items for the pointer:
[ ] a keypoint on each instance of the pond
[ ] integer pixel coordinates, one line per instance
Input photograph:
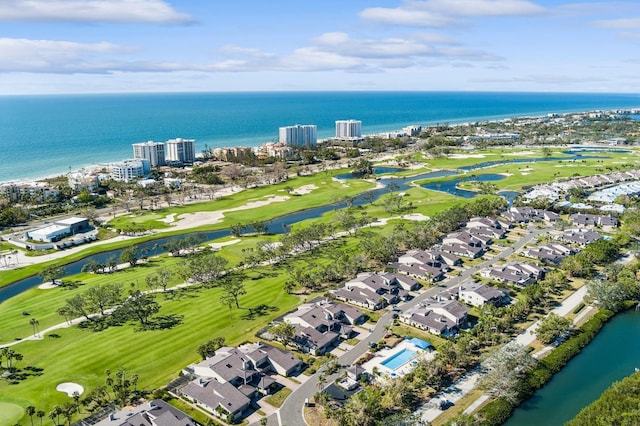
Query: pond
(450, 186)
(612, 355)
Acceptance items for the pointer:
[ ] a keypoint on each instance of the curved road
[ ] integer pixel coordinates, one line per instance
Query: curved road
(291, 412)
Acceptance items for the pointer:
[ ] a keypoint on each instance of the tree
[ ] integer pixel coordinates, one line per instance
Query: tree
(31, 410)
(283, 331)
(552, 327)
(140, 306)
(40, 414)
(203, 267)
(362, 168)
(77, 306)
(609, 294)
(34, 323)
(227, 300)
(234, 288)
(52, 273)
(209, 348)
(505, 369)
(130, 255)
(103, 296)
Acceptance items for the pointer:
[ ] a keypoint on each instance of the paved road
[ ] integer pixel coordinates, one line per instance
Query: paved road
(290, 414)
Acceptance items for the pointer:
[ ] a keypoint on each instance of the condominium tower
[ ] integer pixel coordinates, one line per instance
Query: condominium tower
(152, 151)
(349, 129)
(182, 150)
(299, 135)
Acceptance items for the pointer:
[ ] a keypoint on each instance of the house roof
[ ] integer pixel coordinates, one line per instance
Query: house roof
(153, 413)
(215, 394)
(419, 343)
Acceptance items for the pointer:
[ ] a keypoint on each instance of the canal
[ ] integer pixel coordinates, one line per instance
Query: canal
(612, 355)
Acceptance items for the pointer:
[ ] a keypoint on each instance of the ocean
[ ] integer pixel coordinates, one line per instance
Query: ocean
(46, 135)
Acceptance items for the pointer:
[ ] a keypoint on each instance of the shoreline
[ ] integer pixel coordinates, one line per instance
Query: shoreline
(376, 129)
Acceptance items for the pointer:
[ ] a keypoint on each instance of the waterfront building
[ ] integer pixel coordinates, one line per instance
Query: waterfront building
(229, 153)
(35, 191)
(299, 135)
(152, 151)
(129, 169)
(182, 150)
(59, 229)
(349, 130)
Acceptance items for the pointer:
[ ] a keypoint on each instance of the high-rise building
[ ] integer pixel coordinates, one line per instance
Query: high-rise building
(152, 151)
(349, 129)
(129, 169)
(299, 135)
(183, 150)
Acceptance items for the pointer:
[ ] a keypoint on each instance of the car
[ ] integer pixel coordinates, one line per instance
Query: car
(445, 403)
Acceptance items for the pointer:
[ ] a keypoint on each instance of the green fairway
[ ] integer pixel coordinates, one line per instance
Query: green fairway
(82, 356)
(10, 413)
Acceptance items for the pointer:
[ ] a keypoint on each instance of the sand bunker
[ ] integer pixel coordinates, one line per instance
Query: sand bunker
(192, 220)
(70, 388)
(463, 156)
(218, 246)
(517, 154)
(170, 218)
(306, 189)
(415, 216)
(47, 286)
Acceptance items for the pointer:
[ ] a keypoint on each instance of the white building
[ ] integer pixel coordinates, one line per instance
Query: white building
(129, 169)
(152, 151)
(183, 150)
(349, 129)
(299, 135)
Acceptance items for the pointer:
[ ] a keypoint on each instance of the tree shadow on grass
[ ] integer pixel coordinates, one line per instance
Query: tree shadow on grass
(102, 323)
(17, 375)
(163, 322)
(258, 311)
(70, 285)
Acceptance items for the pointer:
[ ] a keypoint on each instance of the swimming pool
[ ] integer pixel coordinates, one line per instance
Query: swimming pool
(398, 360)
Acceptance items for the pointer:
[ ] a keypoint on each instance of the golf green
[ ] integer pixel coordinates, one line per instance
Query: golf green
(10, 414)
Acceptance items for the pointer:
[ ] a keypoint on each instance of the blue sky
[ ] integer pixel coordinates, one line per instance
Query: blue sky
(98, 46)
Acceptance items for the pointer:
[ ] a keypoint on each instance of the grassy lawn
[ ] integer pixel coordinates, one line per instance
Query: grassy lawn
(195, 414)
(10, 413)
(156, 356)
(277, 399)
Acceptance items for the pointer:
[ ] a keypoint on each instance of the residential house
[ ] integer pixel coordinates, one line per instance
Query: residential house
(519, 274)
(320, 325)
(376, 290)
(151, 413)
(437, 317)
(221, 399)
(608, 223)
(552, 253)
(579, 236)
(477, 294)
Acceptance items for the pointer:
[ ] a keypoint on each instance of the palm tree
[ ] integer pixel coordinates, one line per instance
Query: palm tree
(322, 380)
(31, 410)
(34, 323)
(41, 415)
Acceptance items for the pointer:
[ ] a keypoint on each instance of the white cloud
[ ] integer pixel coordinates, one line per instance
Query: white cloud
(125, 11)
(50, 56)
(408, 17)
(622, 23)
(439, 13)
(484, 7)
